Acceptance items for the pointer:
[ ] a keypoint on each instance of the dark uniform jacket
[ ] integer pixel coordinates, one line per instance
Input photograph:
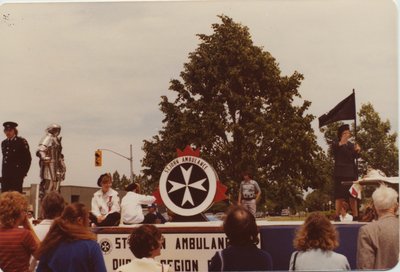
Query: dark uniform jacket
(344, 156)
(151, 218)
(16, 158)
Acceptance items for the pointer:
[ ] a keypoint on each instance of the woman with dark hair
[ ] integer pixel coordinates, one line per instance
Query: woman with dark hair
(345, 154)
(16, 244)
(70, 245)
(145, 243)
(131, 205)
(315, 241)
(242, 254)
(106, 210)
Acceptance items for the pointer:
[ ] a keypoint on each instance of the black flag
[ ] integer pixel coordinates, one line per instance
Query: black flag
(345, 110)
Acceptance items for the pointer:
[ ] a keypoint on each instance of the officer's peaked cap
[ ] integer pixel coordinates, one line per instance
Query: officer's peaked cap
(9, 125)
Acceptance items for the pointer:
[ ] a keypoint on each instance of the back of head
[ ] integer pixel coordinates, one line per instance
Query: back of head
(52, 205)
(12, 205)
(132, 187)
(72, 225)
(240, 227)
(144, 240)
(316, 232)
(75, 212)
(384, 198)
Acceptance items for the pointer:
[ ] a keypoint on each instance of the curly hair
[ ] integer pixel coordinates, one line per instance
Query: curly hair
(240, 227)
(72, 225)
(144, 240)
(316, 232)
(12, 207)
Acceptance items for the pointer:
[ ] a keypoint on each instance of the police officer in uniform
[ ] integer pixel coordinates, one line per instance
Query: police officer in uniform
(16, 159)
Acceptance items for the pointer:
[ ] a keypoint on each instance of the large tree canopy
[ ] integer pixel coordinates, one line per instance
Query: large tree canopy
(233, 103)
(378, 146)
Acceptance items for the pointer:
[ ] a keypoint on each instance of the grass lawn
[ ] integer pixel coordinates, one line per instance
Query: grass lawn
(282, 218)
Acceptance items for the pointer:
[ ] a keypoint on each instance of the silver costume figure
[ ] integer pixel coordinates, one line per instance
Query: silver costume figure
(52, 166)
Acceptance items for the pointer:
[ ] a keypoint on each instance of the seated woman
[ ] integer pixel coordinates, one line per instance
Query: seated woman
(105, 204)
(70, 245)
(131, 204)
(242, 254)
(145, 243)
(17, 245)
(344, 216)
(315, 241)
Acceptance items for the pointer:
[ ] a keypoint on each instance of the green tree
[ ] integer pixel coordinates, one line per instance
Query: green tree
(317, 201)
(233, 104)
(119, 182)
(318, 198)
(116, 178)
(379, 147)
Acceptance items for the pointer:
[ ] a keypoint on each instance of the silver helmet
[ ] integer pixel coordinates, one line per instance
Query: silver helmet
(53, 129)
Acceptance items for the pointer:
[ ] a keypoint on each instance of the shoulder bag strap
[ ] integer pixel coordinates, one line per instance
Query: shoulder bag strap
(294, 261)
(222, 260)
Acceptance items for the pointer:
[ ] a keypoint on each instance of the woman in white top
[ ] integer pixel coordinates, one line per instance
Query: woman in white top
(105, 204)
(131, 205)
(52, 207)
(315, 241)
(145, 243)
(344, 216)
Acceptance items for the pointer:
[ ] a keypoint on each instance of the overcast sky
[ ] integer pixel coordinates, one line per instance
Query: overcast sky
(99, 69)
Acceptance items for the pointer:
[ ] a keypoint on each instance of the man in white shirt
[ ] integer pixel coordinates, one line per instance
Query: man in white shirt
(131, 205)
(105, 204)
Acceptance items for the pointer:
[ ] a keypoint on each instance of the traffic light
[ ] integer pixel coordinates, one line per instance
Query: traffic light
(98, 158)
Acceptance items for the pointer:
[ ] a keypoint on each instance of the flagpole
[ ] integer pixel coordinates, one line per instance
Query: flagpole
(355, 126)
(355, 141)
(355, 117)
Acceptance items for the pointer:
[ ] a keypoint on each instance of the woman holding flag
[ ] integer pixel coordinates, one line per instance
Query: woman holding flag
(345, 154)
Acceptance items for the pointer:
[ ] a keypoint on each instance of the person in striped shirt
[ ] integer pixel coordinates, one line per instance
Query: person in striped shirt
(17, 244)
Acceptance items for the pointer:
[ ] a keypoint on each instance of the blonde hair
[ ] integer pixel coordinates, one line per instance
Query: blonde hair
(316, 232)
(12, 207)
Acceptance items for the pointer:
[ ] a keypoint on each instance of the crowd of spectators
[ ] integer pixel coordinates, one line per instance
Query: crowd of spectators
(64, 241)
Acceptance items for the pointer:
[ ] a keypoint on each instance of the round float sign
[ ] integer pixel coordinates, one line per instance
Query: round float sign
(188, 185)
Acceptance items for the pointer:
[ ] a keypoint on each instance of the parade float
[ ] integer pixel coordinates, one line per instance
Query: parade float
(188, 186)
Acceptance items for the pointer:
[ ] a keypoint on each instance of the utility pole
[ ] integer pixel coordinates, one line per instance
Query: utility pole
(130, 158)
